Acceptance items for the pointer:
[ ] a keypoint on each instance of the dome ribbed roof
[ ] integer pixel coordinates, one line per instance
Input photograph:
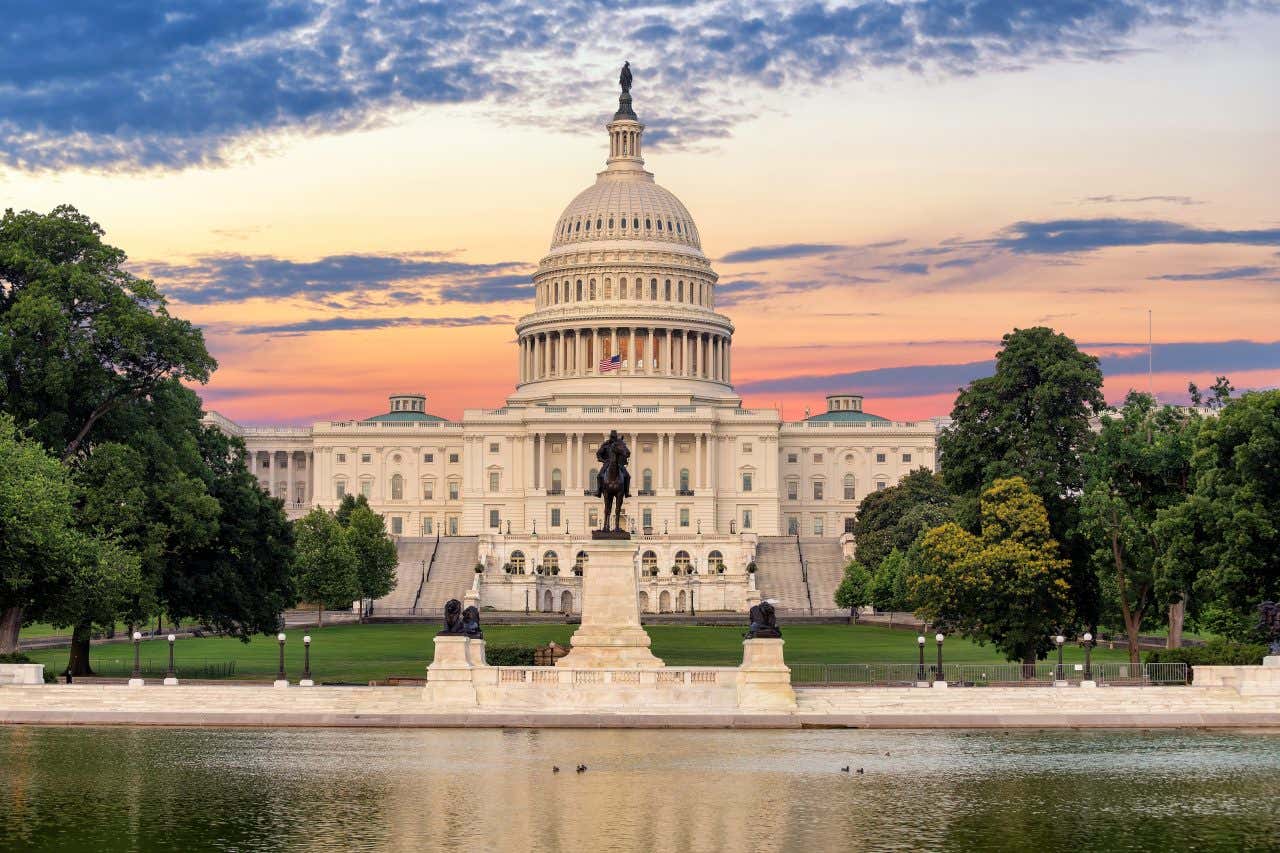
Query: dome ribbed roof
(651, 213)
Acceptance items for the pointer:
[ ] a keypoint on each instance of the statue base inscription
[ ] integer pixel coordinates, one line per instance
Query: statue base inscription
(610, 534)
(610, 636)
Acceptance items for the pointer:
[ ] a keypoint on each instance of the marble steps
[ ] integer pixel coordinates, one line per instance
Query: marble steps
(413, 554)
(826, 564)
(452, 574)
(778, 573)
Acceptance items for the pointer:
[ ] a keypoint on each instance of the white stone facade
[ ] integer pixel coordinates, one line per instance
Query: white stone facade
(625, 276)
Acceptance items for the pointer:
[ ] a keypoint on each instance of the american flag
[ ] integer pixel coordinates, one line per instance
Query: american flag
(613, 362)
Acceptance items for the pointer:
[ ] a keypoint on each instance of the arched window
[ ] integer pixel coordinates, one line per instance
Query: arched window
(588, 224)
(659, 224)
(848, 487)
(649, 563)
(635, 222)
(579, 290)
(577, 225)
(579, 563)
(555, 480)
(653, 289)
(593, 288)
(595, 472)
(566, 602)
(610, 221)
(684, 479)
(550, 563)
(679, 230)
(624, 223)
(598, 223)
(646, 479)
(517, 562)
(397, 487)
(647, 223)
(682, 562)
(622, 288)
(668, 291)
(715, 563)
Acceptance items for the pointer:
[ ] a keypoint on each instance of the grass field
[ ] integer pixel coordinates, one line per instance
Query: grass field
(361, 653)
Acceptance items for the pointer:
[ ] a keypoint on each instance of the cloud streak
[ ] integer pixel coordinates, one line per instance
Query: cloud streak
(780, 252)
(1224, 274)
(348, 324)
(1065, 236)
(180, 83)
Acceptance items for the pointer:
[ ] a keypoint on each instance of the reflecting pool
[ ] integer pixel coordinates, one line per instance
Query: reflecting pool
(474, 790)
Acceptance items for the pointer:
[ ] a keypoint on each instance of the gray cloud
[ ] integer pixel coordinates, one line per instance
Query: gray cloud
(784, 250)
(1185, 200)
(346, 324)
(1223, 274)
(1060, 236)
(904, 268)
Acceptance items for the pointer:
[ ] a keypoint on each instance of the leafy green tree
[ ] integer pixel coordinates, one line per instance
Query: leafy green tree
(1031, 419)
(348, 505)
(855, 587)
(893, 518)
(1140, 465)
(889, 582)
(325, 567)
(375, 552)
(80, 336)
(1227, 532)
(1008, 586)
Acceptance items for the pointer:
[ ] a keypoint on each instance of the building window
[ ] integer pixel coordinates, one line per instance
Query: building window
(848, 487)
(793, 526)
(817, 490)
(746, 447)
(453, 525)
(880, 486)
(817, 525)
(429, 490)
(517, 562)
(579, 563)
(682, 562)
(793, 458)
(428, 457)
(793, 490)
(556, 484)
(493, 447)
(453, 458)
(342, 457)
(366, 488)
(397, 487)
(649, 563)
(428, 527)
(880, 457)
(684, 479)
(746, 519)
(453, 490)
(906, 457)
(715, 563)
(646, 480)
(495, 480)
(555, 516)
(646, 520)
(593, 517)
(365, 458)
(746, 481)
(684, 516)
(397, 525)
(494, 521)
(848, 524)
(817, 457)
(340, 489)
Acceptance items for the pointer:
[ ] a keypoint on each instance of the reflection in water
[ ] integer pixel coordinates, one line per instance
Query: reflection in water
(350, 789)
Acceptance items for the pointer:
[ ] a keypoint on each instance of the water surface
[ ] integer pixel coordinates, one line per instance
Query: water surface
(107, 789)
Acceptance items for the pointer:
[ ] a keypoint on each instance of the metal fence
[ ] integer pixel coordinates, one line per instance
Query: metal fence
(158, 668)
(985, 675)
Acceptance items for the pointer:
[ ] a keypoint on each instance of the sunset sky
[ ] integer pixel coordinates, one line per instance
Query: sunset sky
(350, 197)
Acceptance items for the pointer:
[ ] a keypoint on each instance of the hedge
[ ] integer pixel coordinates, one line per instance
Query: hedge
(509, 655)
(1213, 653)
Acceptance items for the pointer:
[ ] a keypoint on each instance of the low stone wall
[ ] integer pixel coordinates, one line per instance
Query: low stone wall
(459, 677)
(21, 673)
(1246, 680)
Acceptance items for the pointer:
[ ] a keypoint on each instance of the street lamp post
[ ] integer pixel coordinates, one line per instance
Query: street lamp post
(921, 679)
(171, 677)
(136, 679)
(941, 679)
(281, 680)
(1088, 662)
(306, 663)
(1059, 676)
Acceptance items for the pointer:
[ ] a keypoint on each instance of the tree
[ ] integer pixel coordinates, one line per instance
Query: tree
(1031, 419)
(893, 518)
(1227, 532)
(80, 336)
(854, 590)
(376, 557)
(348, 506)
(1140, 465)
(325, 567)
(1008, 586)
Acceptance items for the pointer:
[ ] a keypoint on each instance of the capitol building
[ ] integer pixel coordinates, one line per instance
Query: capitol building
(729, 504)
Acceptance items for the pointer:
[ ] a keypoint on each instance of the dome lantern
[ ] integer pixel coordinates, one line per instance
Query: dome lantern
(625, 130)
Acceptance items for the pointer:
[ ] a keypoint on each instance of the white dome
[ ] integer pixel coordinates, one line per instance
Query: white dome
(625, 205)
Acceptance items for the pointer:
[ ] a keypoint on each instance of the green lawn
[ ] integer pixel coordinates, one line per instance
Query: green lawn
(361, 653)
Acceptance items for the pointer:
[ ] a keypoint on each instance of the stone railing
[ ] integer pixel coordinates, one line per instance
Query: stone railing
(707, 676)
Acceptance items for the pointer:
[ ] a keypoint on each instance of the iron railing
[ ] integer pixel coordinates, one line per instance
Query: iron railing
(986, 675)
(159, 667)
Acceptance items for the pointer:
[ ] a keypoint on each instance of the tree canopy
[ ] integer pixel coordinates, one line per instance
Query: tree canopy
(326, 567)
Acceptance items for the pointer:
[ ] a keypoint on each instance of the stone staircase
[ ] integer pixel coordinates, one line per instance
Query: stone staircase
(778, 573)
(414, 553)
(825, 562)
(452, 573)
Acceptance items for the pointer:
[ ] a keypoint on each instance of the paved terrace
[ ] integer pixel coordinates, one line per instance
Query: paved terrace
(908, 708)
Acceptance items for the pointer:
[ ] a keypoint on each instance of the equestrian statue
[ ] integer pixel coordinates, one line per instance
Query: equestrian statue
(613, 483)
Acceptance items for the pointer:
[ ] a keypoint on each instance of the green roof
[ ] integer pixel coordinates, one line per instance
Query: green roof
(406, 416)
(849, 417)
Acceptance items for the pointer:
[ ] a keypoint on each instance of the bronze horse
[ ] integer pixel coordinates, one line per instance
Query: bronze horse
(613, 487)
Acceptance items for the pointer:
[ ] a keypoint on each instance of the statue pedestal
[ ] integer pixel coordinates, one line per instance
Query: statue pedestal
(610, 636)
(1271, 660)
(449, 677)
(764, 679)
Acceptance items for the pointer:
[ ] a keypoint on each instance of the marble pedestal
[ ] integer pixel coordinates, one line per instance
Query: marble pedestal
(451, 675)
(764, 680)
(610, 636)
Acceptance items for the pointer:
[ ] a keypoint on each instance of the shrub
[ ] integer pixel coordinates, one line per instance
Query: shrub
(15, 657)
(509, 655)
(1213, 653)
